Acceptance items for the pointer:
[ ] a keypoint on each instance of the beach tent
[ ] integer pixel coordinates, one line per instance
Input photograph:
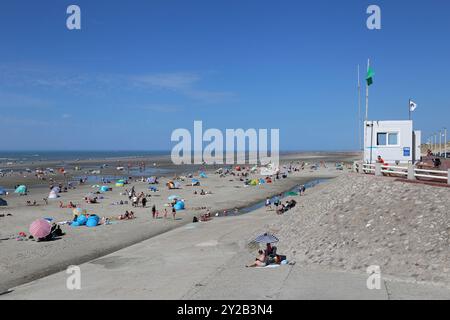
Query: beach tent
(53, 195)
(203, 175)
(152, 180)
(254, 182)
(104, 189)
(120, 183)
(81, 220)
(92, 221)
(262, 181)
(56, 189)
(2, 192)
(195, 182)
(173, 197)
(3, 203)
(21, 189)
(179, 205)
(238, 168)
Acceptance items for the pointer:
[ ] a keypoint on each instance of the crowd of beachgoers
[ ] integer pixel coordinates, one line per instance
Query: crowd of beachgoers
(133, 208)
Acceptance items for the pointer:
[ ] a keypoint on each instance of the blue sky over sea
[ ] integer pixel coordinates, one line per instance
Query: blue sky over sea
(140, 69)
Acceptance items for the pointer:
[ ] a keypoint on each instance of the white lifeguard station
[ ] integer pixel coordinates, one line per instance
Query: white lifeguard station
(395, 141)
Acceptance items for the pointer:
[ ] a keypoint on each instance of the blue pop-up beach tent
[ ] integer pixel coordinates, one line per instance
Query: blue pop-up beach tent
(2, 191)
(21, 189)
(179, 205)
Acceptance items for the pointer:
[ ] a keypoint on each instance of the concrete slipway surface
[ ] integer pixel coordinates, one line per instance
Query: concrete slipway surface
(207, 261)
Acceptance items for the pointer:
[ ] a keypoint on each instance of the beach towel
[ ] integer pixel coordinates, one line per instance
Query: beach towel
(270, 266)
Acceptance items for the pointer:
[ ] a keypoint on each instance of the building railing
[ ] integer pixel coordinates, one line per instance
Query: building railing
(410, 172)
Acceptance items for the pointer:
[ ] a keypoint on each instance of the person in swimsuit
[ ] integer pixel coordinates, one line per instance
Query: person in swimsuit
(260, 261)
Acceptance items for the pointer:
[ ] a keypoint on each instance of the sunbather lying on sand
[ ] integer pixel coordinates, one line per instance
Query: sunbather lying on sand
(69, 206)
(126, 216)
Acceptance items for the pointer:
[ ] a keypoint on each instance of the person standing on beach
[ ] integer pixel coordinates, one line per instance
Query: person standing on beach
(144, 202)
(268, 204)
(153, 211)
(174, 212)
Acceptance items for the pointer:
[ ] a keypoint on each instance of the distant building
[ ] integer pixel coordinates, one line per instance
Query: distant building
(394, 141)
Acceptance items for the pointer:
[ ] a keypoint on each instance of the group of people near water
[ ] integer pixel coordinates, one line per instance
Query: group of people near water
(137, 199)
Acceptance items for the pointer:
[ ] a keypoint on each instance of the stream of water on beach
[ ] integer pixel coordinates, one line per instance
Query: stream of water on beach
(261, 204)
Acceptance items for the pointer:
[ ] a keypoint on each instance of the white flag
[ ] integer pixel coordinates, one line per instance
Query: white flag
(412, 105)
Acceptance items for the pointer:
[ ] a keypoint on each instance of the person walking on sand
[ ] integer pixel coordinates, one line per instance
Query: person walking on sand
(165, 213)
(153, 211)
(144, 202)
(174, 212)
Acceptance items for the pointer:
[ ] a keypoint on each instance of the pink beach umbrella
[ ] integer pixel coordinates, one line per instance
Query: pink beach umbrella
(40, 228)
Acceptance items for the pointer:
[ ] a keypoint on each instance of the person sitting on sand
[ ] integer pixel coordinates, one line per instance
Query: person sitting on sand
(270, 250)
(260, 261)
(126, 216)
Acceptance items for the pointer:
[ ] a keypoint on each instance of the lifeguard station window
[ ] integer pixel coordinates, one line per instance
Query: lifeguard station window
(387, 138)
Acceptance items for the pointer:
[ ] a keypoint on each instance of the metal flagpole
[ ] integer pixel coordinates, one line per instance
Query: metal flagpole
(409, 109)
(359, 110)
(440, 143)
(445, 143)
(367, 92)
(367, 113)
(435, 143)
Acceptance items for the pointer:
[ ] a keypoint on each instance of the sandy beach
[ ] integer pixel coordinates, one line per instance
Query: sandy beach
(207, 260)
(26, 260)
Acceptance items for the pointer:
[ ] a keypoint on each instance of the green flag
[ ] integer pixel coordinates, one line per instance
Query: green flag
(369, 77)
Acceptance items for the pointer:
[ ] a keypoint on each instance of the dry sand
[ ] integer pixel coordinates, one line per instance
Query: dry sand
(357, 220)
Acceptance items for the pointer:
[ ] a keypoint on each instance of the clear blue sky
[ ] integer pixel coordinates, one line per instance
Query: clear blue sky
(139, 69)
